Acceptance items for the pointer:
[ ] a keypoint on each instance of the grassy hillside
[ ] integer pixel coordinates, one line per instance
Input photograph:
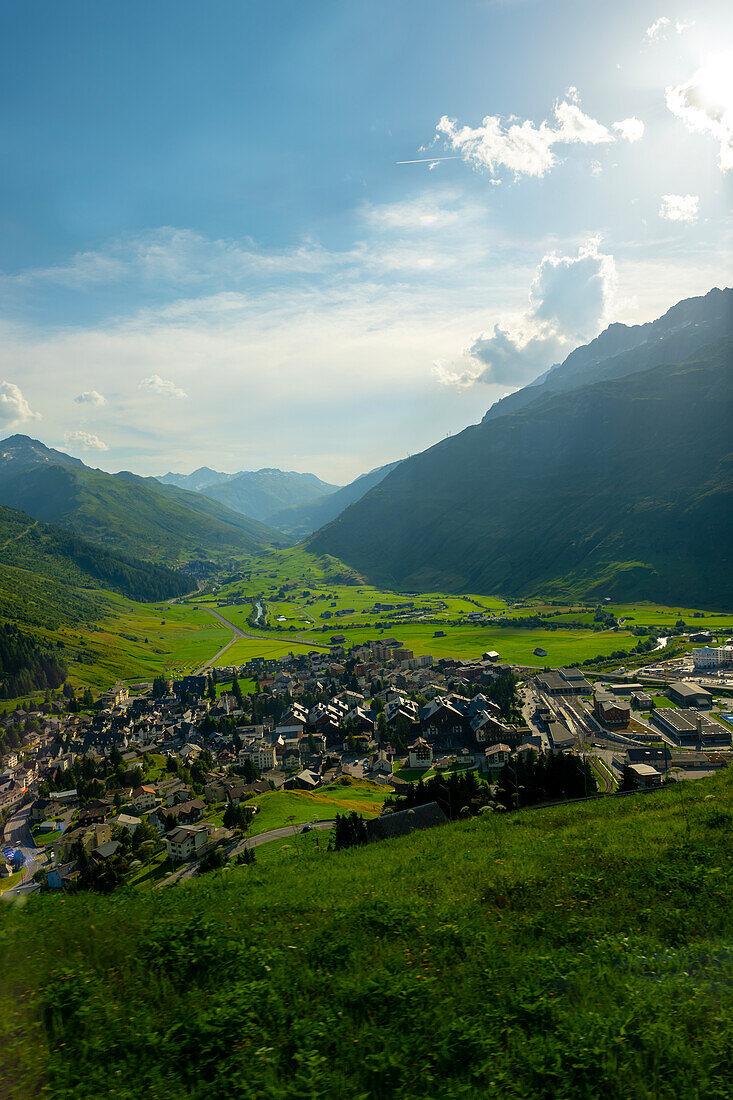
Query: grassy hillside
(122, 512)
(572, 952)
(617, 489)
(48, 576)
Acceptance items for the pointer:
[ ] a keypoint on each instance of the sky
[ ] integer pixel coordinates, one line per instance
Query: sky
(324, 236)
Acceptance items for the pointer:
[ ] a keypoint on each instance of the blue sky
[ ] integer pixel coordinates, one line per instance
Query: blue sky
(210, 253)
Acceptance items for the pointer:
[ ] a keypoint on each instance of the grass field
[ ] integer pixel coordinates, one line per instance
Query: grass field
(576, 952)
(136, 641)
(279, 808)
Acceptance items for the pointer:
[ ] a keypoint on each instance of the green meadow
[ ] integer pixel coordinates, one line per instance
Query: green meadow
(576, 951)
(135, 641)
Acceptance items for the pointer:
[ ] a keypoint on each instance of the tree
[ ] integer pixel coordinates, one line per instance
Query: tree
(349, 831)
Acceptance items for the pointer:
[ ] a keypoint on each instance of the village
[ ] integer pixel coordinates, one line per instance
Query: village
(156, 782)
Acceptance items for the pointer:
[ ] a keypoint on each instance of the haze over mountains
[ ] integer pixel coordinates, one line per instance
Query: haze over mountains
(616, 479)
(293, 503)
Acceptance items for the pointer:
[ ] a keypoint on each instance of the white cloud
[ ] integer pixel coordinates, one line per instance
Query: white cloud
(85, 440)
(522, 147)
(596, 168)
(631, 129)
(14, 408)
(679, 208)
(661, 26)
(705, 104)
(90, 397)
(420, 213)
(162, 386)
(658, 28)
(569, 301)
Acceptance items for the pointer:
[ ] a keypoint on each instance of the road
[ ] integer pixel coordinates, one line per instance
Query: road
(18, 835)
(238, 633)
(188, 870)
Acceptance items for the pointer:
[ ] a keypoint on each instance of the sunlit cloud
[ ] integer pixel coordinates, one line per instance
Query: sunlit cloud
(85, 441)
(705, 104)
(570, 299)
(523, 148)
(679, 208)
(162, 386)
(14, 409)
(630, 129)
(90, 397)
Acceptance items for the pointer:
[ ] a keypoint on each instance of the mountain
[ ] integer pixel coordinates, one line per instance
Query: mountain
(621, 350)
(300, 520)
(50, 576)
(263, 493)
(196, 481)
(621, 488)
(128, 514)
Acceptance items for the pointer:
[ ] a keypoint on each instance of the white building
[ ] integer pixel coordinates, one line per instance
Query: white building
(712, 657)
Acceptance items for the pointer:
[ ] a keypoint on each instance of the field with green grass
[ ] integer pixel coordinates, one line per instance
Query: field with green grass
(135, 641)
(576, 952)
(279, 808)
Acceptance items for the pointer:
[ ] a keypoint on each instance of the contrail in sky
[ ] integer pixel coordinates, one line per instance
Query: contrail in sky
(427, 160)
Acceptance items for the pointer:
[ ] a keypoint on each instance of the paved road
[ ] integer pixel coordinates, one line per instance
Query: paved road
(187, 870)
(18, 835)
(239, 633)
(236, 634)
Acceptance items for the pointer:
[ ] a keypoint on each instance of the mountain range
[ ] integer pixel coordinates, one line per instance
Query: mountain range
(610, 476)
(124, 513)
(293, 503)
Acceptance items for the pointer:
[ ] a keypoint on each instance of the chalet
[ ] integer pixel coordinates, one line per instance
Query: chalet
(184, 841)
(610, 710)
(421, 754)
(144, 798)
(496, 756)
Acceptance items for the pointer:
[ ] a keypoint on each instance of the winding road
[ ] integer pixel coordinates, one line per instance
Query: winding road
(238, 633)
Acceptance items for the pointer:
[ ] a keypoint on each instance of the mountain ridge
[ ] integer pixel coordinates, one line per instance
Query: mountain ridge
(124, 512)
(531, 501)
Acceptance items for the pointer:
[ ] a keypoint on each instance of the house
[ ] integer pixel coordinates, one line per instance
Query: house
(611, 710)
(127, 821)
(421, 754)
(105, 851)
(184, 813)
(303, 781)
(90, 837)
(645, 776)
(496, 756)
(185, 841)
(61, 875)
(143, 798)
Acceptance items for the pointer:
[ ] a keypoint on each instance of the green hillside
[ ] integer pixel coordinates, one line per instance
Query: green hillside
(122, 512)
(621, 489)
(49, 576)
(575, 952)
